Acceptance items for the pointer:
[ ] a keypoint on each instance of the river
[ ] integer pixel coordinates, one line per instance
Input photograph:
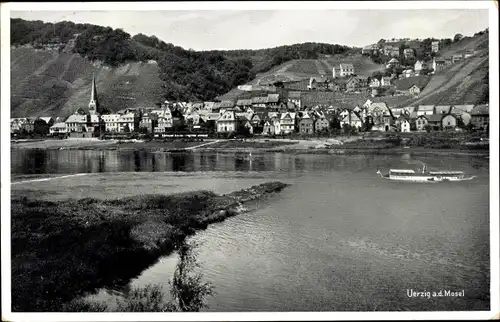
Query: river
(340, 238)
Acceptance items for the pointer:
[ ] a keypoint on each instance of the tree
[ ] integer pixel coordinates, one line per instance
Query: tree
(458, 37)
(188, 291)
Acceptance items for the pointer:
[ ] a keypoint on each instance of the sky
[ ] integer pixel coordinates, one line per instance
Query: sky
(254, 29)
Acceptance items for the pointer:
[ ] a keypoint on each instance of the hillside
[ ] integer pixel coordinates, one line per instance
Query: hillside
(304, 68)
(51, 83)
(477, 42)
(461, 83)
(52, 78)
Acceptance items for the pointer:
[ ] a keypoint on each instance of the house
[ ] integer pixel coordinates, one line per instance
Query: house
(408, 73)
(375, 82)
(48, 120)
(435, 46)
(294, 97)
(164, 119)
(216, 107)
(392, 63)
(457, 58)
(351, 119)
(15, 125)
(385, 81)
(287, 122)
(163, 125)
(271, 127)
(344, 113)
(318, 83)
(408, 53)
(346, 70)
(273, 100)
(462, 113)
(469, 53)
(388, 120)
(419, 65)
(425, 110)
(227, 122)
(480, 116)
(438, 64)
(338, 85)
(449, 121)
(248, 125)
(448, 60)
(227, 104)
(306, 124)
(76, 123)
(244, 103)
(178, 119)
(58, 128)
(148, 122)
(391, 50)
(352, 84)
(128, 122)
(259, 101)
(397, 111)
(208, 106)
(370, 50)
(403, 123)
(435, 121)
(111, 122)
(421, 122)
(388, 50)
(321, 124)
(442, 109)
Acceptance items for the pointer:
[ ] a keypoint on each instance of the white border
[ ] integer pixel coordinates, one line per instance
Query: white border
(292, 316)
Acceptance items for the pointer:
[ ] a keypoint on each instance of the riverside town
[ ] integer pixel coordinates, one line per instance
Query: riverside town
(249, 161)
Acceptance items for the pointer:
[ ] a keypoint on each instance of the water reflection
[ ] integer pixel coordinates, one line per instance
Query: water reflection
(79, 161)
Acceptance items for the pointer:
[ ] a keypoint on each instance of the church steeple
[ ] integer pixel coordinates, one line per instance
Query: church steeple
(94, 102)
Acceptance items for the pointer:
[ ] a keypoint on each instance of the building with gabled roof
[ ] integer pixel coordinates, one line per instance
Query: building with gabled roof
(346, 70)
(306, 124)
(480, 116)
(442, 109)
(425, 110)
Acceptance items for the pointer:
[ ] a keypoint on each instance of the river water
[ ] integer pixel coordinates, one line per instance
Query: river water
(340, 238)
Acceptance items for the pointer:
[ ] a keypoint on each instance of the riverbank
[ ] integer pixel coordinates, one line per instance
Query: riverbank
(418, 145)
(111, 241)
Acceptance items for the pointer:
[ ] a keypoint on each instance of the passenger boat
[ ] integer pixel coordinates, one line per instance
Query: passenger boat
(424, 175)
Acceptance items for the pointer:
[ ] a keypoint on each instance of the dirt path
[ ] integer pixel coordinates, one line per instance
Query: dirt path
(204, 144)
(327, 64)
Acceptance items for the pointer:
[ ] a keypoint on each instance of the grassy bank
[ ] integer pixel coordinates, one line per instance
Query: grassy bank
(61, 250)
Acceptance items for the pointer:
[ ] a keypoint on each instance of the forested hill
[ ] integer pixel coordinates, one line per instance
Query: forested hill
(185, 74)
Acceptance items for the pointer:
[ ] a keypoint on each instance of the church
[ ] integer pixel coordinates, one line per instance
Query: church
(87, 124)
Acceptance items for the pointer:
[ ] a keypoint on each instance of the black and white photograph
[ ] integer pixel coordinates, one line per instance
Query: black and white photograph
(249, 160)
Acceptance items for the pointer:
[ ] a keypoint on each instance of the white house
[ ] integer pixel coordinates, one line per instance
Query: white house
(58, 128)
(226, 122)
(111, 122)
(419, 65)
(126, 122)
(346, 70)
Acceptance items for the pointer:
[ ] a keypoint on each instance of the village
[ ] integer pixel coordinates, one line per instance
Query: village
(279, 109)
(268, 115)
